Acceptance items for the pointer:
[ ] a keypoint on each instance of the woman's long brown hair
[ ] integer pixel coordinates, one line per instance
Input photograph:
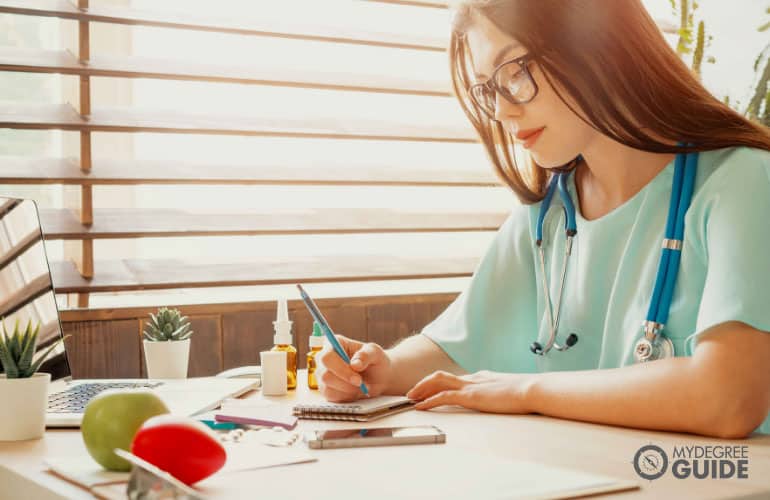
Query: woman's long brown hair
(614, 63)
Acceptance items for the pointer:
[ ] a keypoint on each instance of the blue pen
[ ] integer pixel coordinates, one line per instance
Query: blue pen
(318, 317)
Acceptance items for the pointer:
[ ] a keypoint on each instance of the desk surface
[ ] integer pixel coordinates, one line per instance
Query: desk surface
(580, 446)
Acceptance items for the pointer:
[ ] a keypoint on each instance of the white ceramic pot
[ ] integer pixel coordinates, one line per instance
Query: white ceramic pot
(167, 359)
(23, 404)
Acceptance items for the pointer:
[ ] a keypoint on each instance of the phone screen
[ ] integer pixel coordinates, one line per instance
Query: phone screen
(378, 432)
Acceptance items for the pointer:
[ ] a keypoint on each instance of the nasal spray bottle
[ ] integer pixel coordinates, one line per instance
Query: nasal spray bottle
(282, 340)
(316, 344)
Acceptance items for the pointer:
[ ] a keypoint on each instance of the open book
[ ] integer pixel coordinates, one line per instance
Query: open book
(363, 410)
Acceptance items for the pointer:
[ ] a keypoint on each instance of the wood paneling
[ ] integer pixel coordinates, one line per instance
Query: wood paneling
(103, 349)
(439, 305)
(388, 323)
(346, 320)
(244, 335)
(230, 335)
(206, 346)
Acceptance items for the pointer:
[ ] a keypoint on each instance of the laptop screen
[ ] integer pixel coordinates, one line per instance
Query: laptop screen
(26, 288)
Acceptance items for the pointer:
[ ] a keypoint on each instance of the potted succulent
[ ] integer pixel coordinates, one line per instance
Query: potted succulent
(23, 391)
(167, 344)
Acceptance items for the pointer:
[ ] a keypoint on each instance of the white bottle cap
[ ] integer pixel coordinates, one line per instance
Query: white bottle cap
(282, 325)
(317, 338)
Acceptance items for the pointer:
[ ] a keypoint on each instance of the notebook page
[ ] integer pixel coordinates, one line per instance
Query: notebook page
(362, 406)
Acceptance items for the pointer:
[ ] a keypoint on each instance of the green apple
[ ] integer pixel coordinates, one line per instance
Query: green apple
(111, 420)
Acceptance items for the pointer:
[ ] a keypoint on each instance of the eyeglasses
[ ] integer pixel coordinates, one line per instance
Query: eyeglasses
(512, 80)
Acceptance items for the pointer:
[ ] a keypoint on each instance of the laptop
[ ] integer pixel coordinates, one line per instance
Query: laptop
(27, 292)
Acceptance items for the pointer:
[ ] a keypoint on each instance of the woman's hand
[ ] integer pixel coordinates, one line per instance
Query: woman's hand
(484, 391)
(340, 382)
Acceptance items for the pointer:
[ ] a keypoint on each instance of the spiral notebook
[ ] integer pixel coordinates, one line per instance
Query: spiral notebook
(359, 411)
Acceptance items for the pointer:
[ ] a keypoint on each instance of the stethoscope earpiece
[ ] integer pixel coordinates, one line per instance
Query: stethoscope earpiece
(571, 340)
(536, 348)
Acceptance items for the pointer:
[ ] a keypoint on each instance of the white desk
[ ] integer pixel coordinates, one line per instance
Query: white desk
(580, 446)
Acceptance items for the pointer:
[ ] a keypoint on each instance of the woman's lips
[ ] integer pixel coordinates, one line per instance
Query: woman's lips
(530, 139)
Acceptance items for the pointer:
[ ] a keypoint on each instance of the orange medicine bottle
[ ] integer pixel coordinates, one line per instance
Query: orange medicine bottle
(316, 344)
(282, 341)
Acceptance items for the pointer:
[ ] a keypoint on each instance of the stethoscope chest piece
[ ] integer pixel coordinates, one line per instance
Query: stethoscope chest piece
(646, 350)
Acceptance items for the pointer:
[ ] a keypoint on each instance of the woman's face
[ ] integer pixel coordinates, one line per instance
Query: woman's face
(565, 135)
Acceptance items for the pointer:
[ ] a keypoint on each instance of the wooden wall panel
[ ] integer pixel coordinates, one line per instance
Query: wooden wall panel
(244, 335)
(349, 321)
(437, 307)
(103, 349)
(227, 336)
(389, 323)
(206, 346)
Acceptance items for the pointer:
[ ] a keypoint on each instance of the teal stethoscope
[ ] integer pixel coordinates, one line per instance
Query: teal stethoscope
(653, 344)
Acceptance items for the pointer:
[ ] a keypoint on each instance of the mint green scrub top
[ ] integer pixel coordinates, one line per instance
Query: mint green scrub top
(724, 274)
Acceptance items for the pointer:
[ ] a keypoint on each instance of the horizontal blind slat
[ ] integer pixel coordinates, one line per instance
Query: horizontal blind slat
(19, 248)
(341, 33)
(64, 117)
(283, 171)
(64, 62)
(416, 3)
(139, 223)
(125, 275)
(31, 290)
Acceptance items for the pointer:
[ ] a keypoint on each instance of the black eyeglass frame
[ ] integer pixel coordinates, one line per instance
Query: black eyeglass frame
(492, 85)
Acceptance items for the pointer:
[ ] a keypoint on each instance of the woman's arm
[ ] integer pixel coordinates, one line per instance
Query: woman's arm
(413, 359)
(723, 390)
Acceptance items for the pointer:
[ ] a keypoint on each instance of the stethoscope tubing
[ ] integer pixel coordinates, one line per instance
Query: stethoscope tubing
(670, 259)
(558, 182)
(683, 185)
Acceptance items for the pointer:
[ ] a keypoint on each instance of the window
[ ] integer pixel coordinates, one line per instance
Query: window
(326, 148)
(234, 148)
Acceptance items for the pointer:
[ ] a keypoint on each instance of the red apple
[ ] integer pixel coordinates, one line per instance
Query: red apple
(181, 446)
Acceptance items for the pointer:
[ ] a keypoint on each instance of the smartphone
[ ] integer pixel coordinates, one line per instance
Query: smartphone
(377, 436)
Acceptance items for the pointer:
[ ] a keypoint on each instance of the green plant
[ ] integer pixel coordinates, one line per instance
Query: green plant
(759, 103)
(169, 324)
(758, 108)
(688, 33)
(18, 350)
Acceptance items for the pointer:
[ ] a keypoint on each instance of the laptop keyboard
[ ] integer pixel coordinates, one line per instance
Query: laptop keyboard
(75, 399)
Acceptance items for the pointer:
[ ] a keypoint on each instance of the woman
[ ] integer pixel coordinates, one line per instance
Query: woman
(592, 89)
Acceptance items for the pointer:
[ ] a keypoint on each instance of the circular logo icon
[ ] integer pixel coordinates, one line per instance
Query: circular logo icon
(650, 462)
